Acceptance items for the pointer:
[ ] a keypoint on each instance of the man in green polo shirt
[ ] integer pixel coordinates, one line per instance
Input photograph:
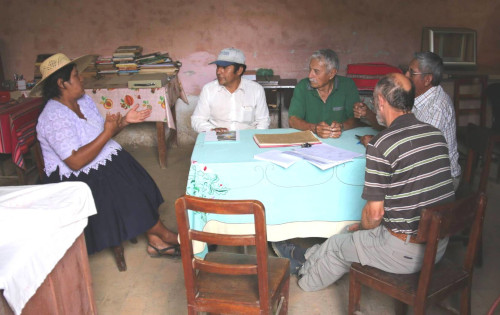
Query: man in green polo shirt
(323, 102)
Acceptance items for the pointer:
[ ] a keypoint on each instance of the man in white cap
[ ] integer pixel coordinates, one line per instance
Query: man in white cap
(230, 102)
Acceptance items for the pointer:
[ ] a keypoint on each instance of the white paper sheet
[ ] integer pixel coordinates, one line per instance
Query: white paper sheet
(277, 157)
(324, 155)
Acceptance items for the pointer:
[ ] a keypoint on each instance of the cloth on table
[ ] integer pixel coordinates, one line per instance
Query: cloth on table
(37, 225)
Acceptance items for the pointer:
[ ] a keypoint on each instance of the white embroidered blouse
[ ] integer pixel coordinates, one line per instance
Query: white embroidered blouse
(60, 132)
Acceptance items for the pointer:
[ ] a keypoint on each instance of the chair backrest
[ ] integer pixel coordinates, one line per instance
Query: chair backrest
(470, 88)
(187, 236)
(366, 75)
(479, 141)
(446, 220)
(40, 163)
(493, 96)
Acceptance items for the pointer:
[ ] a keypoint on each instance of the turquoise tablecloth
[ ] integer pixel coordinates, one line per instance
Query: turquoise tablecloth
(300, 201)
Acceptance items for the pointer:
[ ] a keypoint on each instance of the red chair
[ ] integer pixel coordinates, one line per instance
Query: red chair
(366, 75)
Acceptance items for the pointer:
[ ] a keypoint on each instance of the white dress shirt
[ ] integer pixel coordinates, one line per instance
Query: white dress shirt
(435, 108)
(245, 108)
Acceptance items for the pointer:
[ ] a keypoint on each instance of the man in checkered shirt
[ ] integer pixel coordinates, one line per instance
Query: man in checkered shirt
(432, 104)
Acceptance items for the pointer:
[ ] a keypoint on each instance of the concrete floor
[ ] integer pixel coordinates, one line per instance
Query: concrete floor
(156, 285)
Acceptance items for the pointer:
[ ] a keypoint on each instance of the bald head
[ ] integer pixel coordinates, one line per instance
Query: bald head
(398, 90)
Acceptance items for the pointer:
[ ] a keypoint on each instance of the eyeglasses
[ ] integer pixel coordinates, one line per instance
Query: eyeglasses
(413, 73)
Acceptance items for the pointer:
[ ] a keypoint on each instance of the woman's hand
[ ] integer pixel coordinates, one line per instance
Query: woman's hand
(112, 123)
(84, 155)
(134, 116)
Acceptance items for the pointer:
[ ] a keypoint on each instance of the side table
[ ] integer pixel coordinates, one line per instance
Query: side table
(18, 131)
(114, 96)
(281, 87)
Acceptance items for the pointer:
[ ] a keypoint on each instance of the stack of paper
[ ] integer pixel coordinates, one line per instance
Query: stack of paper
(323, 156)
(277, 157)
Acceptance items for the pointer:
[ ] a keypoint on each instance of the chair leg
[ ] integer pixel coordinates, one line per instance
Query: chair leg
(191, 310)
(401, 308)
(120, 258)
(354, 293)
(285, 293)
(419, 309)
(465, 300)
(479, 254)
(20, 175)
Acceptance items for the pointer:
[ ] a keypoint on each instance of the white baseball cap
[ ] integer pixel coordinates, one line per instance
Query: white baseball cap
(229, 56)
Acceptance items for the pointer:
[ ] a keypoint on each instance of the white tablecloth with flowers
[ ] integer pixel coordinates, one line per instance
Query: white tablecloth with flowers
(121, 100)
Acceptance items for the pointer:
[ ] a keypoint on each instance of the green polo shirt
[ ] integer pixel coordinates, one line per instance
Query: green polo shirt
(307, 105)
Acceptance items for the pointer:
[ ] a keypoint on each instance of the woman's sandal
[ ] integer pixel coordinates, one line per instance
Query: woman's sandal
(162, 252)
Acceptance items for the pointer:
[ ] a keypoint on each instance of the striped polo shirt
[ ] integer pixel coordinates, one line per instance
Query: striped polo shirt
(407, 166)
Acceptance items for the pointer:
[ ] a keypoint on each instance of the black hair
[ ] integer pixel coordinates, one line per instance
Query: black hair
(392, 90)
(237, 67)
(50, 87)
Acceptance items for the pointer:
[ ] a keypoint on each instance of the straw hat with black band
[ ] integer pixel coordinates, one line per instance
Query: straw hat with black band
(56, 62)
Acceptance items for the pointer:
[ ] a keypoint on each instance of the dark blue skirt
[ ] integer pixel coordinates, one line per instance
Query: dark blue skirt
(126, 198)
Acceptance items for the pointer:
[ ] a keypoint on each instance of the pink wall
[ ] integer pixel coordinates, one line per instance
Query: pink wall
(277, 34)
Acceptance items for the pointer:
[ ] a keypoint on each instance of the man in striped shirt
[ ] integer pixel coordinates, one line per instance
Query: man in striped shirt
(407, 169)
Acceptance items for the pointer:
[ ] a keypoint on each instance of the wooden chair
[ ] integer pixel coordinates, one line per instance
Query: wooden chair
(480, 143)
(465, 91)
(118, 251)
(434, 281)
(231, 283)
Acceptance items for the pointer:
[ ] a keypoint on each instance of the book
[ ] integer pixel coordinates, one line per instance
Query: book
(158, 65)
(231, 135)
(285, 139)
(268, 80)
(128, 51)
(169, 71)
(129, 48)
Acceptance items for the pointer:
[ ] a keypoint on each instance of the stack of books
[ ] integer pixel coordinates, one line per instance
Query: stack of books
(126, 67)
(125, 57)
(126, 53)
(153, 58)
(129, 60)
(157, 63)
(105, 65)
